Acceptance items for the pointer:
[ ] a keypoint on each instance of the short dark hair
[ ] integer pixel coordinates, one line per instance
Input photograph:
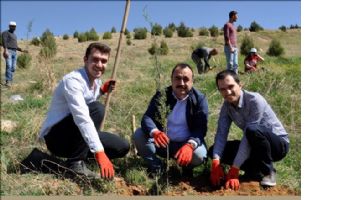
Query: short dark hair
(222, 75)
(103, 48)
(182, 66)
(232, 13)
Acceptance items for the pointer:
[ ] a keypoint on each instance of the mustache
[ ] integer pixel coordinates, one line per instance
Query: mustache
(181, 86)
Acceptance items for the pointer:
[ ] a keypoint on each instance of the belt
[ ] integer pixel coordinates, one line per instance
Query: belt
(12, 48)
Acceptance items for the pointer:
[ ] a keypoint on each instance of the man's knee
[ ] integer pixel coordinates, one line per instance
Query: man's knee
(199, 155)
(139, 136)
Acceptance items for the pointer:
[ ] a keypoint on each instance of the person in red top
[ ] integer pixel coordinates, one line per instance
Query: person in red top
(230, 42)
(251, 60)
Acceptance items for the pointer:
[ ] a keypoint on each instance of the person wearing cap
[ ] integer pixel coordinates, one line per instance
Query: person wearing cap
(185, 110)
(264, 139)
(9, 43)
(251, 60)
(71, 128)
(203, 54)
(230, 42)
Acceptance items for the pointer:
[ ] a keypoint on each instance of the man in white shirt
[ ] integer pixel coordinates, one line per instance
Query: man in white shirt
(71, 129)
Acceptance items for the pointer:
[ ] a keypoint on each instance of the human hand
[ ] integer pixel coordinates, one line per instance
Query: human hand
(105, 164)
(232, 180)
(160, 138)
(217, 172)
(184, 155)
(108, 86)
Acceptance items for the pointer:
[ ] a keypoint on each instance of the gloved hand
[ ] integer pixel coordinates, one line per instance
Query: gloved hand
(184, 155)
(217, 172)
(160, 139)
(232, 180)
(105, 164)
(108, 86)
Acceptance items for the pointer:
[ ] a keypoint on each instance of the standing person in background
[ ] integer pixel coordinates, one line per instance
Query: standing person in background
(71, 129)
(230, 42)
(205, 54)
(9, 43)
(251, 60)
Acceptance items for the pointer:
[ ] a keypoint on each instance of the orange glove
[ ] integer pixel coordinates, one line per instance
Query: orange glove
(217, 172)
(108, 86)
(160, 138)
(105, 165)
(184, 155)
(232, 179)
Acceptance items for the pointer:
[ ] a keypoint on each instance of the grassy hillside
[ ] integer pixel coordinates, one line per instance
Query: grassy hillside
(280, 84)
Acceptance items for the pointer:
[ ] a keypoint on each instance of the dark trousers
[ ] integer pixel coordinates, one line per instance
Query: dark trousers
(65, 139)
(266, 148)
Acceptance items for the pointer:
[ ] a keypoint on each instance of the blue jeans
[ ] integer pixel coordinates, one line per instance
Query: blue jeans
(10, 64)
(147, 150)
(231, 58)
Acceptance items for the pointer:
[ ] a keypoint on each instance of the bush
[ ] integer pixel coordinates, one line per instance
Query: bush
(126, 31)
(203, 32)
(107, 36)
(24, 60)
(65, 37)
(168, 32)
(36, 41)
(82, 37)
(92, 35)
(129, 42)
(128, 35)
(140, 33)
(214, 31)
(255, 27)
(247, 44)
(172, 27)
(283, 28)
(275, 48)
(184, 31)
(239, 28)
(164, 49)
(153, 49)
(76, 34)
(113, 29)
(156, 29)
(49, 46)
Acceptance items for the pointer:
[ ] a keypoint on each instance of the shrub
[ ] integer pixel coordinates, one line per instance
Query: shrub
(65, 36)
(49, 46)
(153, 49)
(239, 28)
(255, 27)
(82, 37)
(107, 36)
(92, 35)
(282, 28)
(76, 34)
(164, 49)
(128, 35)
(140, 33)
(214, 31)
(247, 44)
(275, 48)
(24, 60)
(36, 41)
(126, 31)
(172, 27)
(168, 32)
(184, 31)
(156, 29)
(203, 32)
(129, 42)
(113, 29)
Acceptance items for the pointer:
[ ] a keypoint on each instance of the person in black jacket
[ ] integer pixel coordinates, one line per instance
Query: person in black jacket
(203, 54)
(176, 118)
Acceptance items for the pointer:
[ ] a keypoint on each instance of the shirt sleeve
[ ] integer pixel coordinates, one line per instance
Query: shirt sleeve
(73, 92)
(224, 123)
(243, 152)
(257, 106)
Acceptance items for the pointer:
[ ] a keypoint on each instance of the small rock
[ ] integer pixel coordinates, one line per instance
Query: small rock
(8, 126)
(16, 97)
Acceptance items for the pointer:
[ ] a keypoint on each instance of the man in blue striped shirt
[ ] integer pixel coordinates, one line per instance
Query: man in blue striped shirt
(264, 138)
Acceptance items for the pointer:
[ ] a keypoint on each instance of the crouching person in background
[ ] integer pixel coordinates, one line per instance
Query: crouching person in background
(71, 129)
(264, 138)
(185, 127)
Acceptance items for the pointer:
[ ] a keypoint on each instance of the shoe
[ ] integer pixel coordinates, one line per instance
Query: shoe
(8, 84)
(269, 180)
(250, 176)
(80, 168)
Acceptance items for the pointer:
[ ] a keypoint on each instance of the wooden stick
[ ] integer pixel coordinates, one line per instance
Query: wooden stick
(117, 58)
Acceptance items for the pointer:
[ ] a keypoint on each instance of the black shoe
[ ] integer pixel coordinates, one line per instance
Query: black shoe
(250, 176)
(79, 168)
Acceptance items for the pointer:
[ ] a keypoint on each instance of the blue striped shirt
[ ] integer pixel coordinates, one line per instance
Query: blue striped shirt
(252, 108)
